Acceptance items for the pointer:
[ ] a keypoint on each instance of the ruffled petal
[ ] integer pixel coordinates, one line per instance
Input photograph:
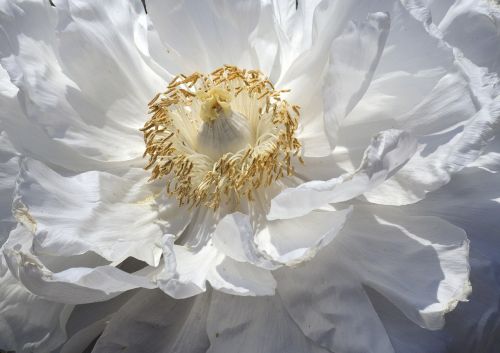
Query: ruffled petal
(152, 322)
(354, 56)
(234, 236)
(306, 37)
(294, 240)
(451, 131)
(253, 325)
(474, 28)
(326, 299)
(204, 36)
(28, 323)
(116, 216)
(187, 270)
(418, 264)
(388, 151)
(81, 123)
(72, 285)
(470, 201)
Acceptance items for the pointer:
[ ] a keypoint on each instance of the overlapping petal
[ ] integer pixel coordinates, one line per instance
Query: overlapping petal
(152, 322)
(68, 283)
(118, 216)
(28, 323)
(388, 151)
(419, 264)
(253, 324)
(60, 107)
(348, 275)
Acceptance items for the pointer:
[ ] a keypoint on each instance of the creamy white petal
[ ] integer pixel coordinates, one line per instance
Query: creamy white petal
(309, 35)
(388, 151)
(453, 122)
(28, 323)
(152, 322)
(188, 269)
(452, 131)
(419, 264)
(252, 325)
(291, 241)
(74, 285)
(305, 41)
(203, 36)
(235, 237)
(326, 299)
(116, 216)
(353, 58)
(407, 71)
(58, 109)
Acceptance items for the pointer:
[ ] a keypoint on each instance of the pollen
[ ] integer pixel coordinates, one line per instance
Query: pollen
(217, 138)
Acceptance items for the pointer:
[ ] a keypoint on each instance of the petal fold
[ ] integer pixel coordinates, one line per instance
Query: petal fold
(388, 151)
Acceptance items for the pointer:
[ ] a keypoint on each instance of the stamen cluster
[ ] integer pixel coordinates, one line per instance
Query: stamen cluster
(178, 115)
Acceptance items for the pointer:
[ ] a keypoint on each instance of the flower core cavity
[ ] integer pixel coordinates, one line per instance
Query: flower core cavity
(218, 137)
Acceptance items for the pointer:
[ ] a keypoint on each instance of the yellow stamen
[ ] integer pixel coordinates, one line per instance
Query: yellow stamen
(179, 115)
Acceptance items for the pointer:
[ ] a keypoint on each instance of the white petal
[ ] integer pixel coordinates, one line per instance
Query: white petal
(473, 27)
(328, 302)
(354, 56)
(28, 323)
(74, 285)
(470, 201)
(234, 236)
(291, 241)
(87, 321)
(419, 263)
(240, 278)
(115, 216)
(204, 36)
(57, 110)
(452, 134)
(188, 269)
(253, 325)
(152, 322)
(388, 151)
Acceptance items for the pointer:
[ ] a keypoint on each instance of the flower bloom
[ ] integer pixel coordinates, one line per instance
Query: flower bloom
(260, 176)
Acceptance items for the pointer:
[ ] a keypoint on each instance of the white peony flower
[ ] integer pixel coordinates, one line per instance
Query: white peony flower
(307, 178)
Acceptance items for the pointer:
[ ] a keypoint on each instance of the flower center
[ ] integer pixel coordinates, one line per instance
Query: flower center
(218, 137)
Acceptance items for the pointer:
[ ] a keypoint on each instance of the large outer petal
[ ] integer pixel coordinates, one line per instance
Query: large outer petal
(447, 102)
(66, 114)
(28, 323)
(188, 269)
(68, 283)
(419, 264)
(201, 36)
(152, 322)
(354, 56)
(387, 152)
(116, 216)
(473, 26)
(254, 325)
